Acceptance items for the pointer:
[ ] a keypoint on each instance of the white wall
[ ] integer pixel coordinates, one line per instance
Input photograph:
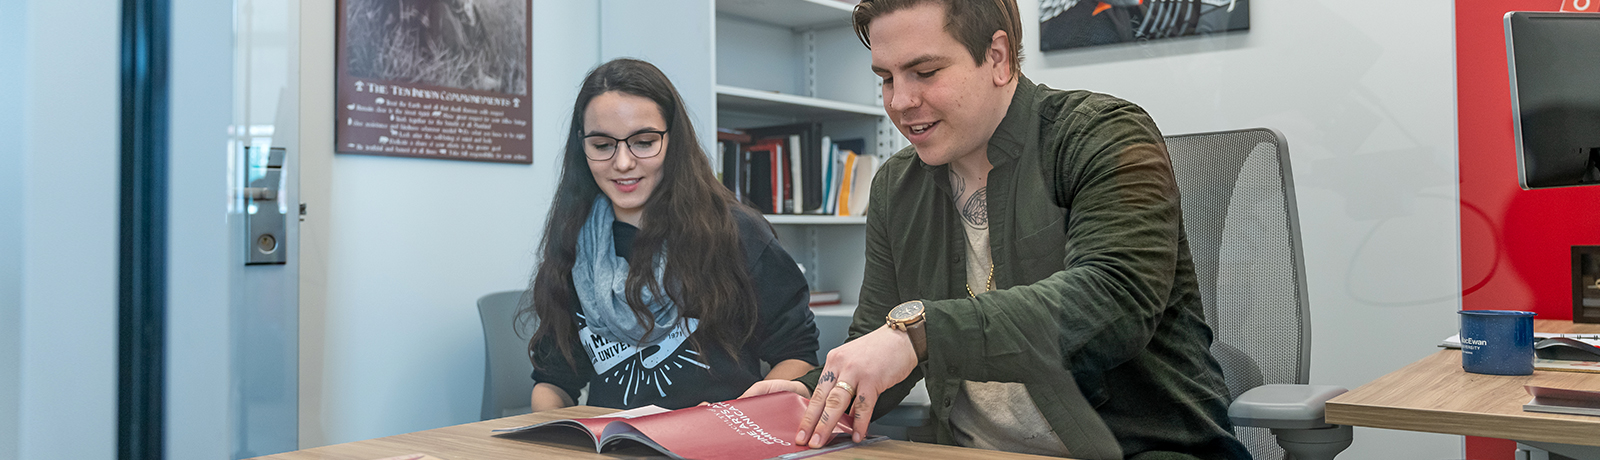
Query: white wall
(67, 269)
(685, 55)
(1367, 102)
(12, 71)
(396, 251)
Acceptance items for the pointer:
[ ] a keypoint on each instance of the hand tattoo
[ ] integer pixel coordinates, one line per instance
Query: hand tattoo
(861, 406)
(827, 376)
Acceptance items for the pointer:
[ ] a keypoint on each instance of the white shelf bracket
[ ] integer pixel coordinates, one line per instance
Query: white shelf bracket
(809, 37)
(812, 254)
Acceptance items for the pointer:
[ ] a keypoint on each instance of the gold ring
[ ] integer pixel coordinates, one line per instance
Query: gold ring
(846, 387)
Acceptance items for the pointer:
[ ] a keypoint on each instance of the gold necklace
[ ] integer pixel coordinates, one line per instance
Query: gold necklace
(989, 284)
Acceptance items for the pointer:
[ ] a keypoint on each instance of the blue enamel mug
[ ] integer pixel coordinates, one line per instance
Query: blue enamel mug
(1497, 342)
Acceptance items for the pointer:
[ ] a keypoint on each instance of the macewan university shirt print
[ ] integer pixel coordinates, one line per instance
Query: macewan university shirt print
(1065, 24)
(632, 372)
(445, 79)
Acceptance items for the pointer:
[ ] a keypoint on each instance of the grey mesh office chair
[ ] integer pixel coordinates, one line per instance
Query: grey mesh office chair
(507, 381)
(1239, 214)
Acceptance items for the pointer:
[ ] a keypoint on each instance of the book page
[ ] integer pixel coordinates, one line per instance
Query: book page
(752, 428)
(590, 427)
(638, 412)
(620, 435)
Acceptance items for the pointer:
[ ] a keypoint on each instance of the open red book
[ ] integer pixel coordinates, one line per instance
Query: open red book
(757, 427)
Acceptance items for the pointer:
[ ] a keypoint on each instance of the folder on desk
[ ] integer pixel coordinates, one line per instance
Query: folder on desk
(1454, 340)
(1559, 365)
(1562, 401)
(1563, 365)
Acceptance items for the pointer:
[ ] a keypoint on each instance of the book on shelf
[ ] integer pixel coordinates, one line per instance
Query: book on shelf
(793, 169)
(855, 184)
(824, 298)
(847, 168)
(826, 173)
(1562, 401)
(785, 162)
(855, 179)
(803, 142)
(757, 427)
(730, 153)
(722, 157)
(861, 190)
(760, 181)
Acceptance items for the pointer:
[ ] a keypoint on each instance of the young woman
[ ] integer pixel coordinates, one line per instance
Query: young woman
(656, 286)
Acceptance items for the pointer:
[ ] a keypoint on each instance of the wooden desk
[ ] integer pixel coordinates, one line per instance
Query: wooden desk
(472, 441)
(1435, 395)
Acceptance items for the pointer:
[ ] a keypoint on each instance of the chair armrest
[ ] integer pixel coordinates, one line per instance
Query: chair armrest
(1283, 406)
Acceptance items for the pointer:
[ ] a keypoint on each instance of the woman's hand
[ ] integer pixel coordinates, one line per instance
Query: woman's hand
(867, 365)
(775, 386)
(789, 369)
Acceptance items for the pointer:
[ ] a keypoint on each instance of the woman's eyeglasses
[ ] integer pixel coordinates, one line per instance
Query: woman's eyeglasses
(643, 144)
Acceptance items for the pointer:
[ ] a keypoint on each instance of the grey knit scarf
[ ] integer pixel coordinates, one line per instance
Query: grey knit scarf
(601, 279)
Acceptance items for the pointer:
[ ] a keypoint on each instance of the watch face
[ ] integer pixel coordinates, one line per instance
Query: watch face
(906, 311)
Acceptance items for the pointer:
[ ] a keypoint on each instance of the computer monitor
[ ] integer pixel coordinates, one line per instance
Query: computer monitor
(1554, 59)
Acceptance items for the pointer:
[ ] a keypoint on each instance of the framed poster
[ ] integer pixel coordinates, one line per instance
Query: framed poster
(445, 79)
(1066, 24)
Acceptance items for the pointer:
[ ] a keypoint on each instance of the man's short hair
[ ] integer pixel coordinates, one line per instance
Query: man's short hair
(971, 22)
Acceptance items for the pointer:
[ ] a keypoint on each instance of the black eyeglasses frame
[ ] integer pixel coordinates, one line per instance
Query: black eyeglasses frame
(623, 141)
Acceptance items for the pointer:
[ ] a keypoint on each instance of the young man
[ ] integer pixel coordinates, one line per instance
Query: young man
(1025, 255)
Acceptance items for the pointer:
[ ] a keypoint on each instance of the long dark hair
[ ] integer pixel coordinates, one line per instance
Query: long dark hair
(689, 215)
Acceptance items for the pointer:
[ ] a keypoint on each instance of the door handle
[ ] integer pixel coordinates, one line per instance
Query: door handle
(264, 217)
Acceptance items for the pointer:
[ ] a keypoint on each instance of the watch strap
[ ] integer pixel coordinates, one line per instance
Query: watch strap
(918, 332)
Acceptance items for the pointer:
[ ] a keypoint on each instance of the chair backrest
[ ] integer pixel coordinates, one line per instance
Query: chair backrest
(507, 371)
(1239, 214)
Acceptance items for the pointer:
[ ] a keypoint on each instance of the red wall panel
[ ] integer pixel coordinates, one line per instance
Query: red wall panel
(1515, 244)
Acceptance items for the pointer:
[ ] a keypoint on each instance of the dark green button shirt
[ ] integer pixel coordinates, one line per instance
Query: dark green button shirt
(1092, 274)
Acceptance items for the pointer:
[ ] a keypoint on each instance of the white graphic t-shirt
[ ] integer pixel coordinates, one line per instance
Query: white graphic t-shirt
(673, 374)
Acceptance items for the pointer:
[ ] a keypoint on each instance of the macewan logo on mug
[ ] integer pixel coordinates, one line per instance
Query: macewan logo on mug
(1497, 342)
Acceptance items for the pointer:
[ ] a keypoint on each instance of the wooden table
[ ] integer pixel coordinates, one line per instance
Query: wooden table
(1435, 395)
(472, 441)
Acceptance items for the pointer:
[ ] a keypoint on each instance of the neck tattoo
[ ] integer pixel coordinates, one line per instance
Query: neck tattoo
(975, 208)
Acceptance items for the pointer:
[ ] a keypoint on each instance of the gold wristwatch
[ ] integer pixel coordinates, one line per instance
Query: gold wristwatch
(909, 317)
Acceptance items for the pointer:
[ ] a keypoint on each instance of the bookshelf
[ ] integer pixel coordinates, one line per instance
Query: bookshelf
(742, 100)
(755, 63)
(801, 219)
(794, 14)
(792, 61)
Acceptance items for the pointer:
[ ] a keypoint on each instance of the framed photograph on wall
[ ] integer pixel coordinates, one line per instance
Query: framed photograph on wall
(444, 79)
(1067, 24)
